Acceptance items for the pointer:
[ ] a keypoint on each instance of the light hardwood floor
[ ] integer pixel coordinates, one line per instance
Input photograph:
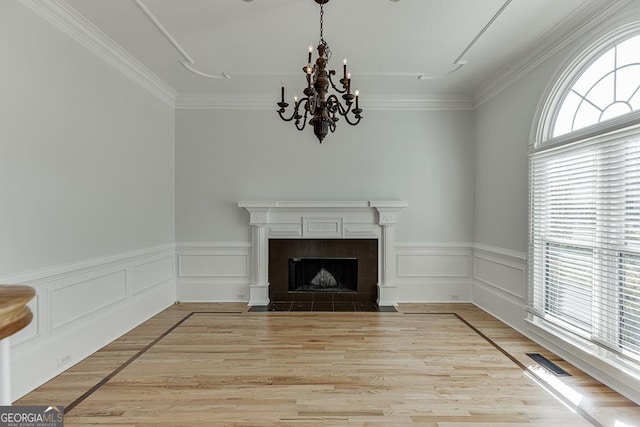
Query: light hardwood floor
(430, 365)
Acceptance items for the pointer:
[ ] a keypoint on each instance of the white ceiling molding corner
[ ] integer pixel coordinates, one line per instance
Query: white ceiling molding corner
(187, 60)
(460, 61)
(195, 71)
(584, 19)
(66, 19)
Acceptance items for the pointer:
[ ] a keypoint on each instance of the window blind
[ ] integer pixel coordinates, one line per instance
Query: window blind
(585, 240)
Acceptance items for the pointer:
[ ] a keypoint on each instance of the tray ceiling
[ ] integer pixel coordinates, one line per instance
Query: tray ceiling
(259, 44)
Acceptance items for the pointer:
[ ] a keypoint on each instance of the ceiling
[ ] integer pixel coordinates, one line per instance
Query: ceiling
(260, 43)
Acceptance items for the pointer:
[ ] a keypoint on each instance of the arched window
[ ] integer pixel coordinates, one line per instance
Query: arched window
(584, 219)
(608, 88)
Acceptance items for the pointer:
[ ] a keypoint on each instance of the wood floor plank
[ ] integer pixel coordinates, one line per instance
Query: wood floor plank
(230, 367)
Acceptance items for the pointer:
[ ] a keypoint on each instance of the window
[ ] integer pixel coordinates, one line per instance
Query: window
(584, 232)
(608, 88)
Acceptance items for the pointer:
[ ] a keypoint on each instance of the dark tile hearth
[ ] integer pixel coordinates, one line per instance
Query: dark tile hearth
(322, 306)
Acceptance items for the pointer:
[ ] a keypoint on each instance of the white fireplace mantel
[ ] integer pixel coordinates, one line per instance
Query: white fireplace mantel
(322, 220)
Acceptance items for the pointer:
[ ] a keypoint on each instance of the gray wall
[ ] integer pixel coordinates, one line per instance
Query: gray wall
(86, 155)
(223, 156)
(503, 132)
(503, 128)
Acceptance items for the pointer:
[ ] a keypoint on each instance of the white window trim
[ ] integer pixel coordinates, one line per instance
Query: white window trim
(601, 364)
(568, 73)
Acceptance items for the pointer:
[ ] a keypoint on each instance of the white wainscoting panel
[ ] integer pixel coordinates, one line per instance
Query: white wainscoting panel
(81, 307)
(214, 272)
(499, 283)
(74, 298)
(505, 275)
(221, 272)
(213, 265)
(150, 273)
(433, 265)
(429, 272)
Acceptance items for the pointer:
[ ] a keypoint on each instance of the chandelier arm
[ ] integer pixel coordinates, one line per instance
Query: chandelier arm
(344, 111)
(332, 105)
(310, 104)
(357, 116)
(333, 102)
(300, 124)
(295, 113)
(344, 86)
(338, 105)
(280, 113)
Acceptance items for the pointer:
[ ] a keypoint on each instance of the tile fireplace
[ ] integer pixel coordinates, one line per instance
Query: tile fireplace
(323, 270)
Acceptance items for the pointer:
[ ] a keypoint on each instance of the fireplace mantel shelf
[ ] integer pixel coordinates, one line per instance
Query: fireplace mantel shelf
(398, 204)
(271, 219)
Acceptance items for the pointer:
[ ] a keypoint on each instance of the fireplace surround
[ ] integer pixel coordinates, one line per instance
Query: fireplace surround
(273, 220)
(323, 270)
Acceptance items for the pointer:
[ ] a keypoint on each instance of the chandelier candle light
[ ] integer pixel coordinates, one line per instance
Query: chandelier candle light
(316, 102)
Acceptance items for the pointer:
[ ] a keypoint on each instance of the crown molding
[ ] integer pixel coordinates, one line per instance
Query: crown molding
(427, 102)
(585, 19)
(68, 20)
(212, 101)
(424, 102)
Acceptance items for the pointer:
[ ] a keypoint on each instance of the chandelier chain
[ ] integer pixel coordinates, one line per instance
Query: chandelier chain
(321, 21)
(323, 42)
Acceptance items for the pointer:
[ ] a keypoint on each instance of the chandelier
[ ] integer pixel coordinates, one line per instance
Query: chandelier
(323, 107)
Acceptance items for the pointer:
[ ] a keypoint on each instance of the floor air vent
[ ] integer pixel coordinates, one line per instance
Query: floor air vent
(549, 365)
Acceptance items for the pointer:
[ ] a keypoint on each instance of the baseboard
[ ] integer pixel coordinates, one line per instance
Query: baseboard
(79, 308)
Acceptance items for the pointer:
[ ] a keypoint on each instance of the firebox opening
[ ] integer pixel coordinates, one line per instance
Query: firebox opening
(323, 274)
